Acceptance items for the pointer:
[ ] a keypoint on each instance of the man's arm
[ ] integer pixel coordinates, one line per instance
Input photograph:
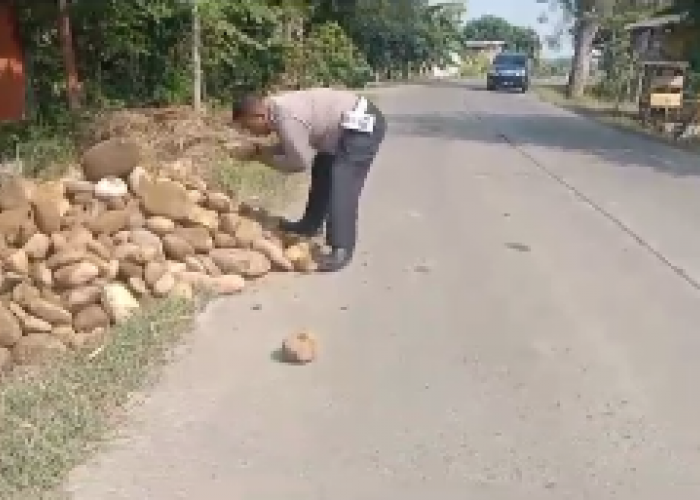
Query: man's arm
(294, 153)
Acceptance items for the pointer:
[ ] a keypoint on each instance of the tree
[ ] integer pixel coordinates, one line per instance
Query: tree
(494, 28)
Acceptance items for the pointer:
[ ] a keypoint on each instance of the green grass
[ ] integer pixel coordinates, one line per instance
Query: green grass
(51, 419)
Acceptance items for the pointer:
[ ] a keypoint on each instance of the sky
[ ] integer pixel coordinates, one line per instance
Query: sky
(520, 13)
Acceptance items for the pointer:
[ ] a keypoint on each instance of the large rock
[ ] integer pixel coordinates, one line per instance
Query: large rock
(226, 284)
(109, 222)
(17, 225)
(15, 192)
(137, 178)
(41, 274)
(5, 359)
(160, 225)
(47, 311)
(37, 247)
(200, 216)
(74, 275)
(228, 222)
(247, 263)
(65, 258)
(247, 231)
(30, 324)
(176, 248)
(37, 348)
(50, 205)
(10, 329)
(17, 262)
(199, 238)
(111, 158)
(153, 272)
(118, 301)
(91, 318)
(274, 253)
(144, 238)
(164, 285)
(224, 240)
(165, 198)
(79, 187)
(218, 202)
(79, 298)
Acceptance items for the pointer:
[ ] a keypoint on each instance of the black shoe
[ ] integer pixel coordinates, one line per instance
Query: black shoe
(299, 227)
(336, 260)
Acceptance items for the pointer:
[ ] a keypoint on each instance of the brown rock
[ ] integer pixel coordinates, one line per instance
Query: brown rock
(65, 258)
(153, 272)
(129, 269)
(160, 225)
(10, 330)
(111, 158)
(199, 238)
(228, 223)
(127, 251)
(176, 248)
(300, 348)
(66, 335)
(226, 284)
(17, 225)
(80, 298)
(5, 359)
(41, 274)
(59, 242)
(146, 239)
(164, 285)
(18, 262)
(49, 312)
(37, 247)
(183, 291)
(209, 265)
(138, 287)
(137, 178)
(197, 280)
(224, 240)
(165, 198)
(118, 302)
(300, 255)
(200, 216)
(50, 205)
(175, 267)
(219, 202)
(247, 232)
(29, 323)
(99, 248)
(78, 237)
(109, 222)
(246, 263)
(274, 253)
(91, 318)
(121, 237)
(37, 348)
(15, 192)
(74, 275)
(195, 196)
(194, 264)
(107, 243)
(86, 200)
(51, 296)
(23, 293)
(79, 187)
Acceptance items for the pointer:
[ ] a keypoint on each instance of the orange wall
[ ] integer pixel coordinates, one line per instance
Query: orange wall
(12, 71)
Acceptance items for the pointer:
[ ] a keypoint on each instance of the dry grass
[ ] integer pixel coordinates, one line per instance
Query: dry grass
(51, 419)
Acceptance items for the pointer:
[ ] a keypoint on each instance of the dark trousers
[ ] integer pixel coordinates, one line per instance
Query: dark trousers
(337, 181)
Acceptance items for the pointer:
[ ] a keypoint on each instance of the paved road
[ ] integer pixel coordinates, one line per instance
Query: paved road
(521, 322)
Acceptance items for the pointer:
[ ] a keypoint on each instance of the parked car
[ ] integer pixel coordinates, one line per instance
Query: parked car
(509, 70)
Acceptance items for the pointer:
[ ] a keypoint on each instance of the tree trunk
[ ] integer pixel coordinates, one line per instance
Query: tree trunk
(66, 38)
(586, 31)
(197, 59)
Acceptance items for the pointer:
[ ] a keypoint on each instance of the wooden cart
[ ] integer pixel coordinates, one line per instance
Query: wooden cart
(661, 92)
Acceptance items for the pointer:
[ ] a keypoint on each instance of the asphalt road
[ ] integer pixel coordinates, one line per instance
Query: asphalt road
(522, 322)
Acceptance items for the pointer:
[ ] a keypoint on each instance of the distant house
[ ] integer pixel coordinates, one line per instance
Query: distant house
(664, 37)
(449, 70)
(13, 78)
(487, 48)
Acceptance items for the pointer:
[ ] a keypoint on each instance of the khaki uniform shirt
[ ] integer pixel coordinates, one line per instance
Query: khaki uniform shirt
(308, 122)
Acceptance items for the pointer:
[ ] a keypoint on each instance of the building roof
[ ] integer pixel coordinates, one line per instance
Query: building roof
(483, 43)
(656, 22)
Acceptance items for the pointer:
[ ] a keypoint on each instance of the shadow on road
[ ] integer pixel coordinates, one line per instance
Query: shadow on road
(553, 131)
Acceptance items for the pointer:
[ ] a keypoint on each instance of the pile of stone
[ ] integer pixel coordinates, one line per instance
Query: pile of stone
(81, 254)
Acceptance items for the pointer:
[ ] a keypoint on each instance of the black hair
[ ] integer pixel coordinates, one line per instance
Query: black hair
(244, 102)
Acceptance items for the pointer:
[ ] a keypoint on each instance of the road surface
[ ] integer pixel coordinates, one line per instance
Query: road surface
(522, 322)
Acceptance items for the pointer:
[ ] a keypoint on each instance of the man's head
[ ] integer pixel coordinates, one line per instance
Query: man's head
(250, 112)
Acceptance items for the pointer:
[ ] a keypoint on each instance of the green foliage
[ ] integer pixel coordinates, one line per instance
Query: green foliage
(492, 28)
(475, 66)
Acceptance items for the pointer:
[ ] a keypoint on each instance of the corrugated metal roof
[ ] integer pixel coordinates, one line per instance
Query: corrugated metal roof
(656, 22)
